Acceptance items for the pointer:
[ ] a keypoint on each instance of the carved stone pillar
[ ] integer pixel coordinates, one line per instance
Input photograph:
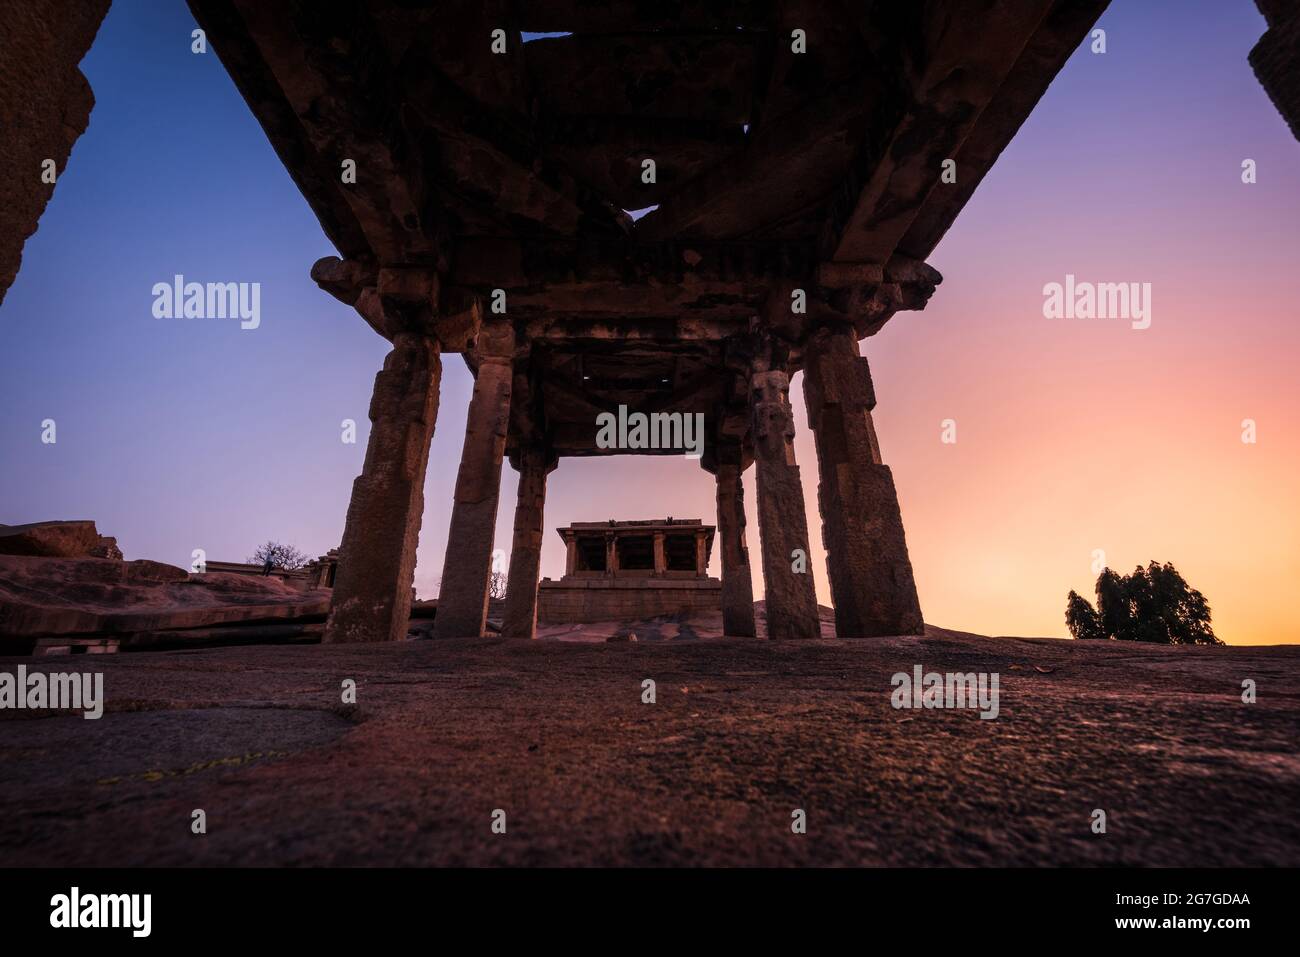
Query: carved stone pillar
(701, 555)
(372, 592)
(661, 561)
(862, 529)
(570, 553)
(519, 619)
(611, 554)
(737, 580)
(467, 568)
(791, 598)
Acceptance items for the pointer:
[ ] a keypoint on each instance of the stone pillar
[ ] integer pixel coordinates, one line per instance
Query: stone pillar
(862, 528)
(737, 581)
(571, 553)
(467, 568)
(372, 591)
(782, 522)
(661, 561)
(701, 556)
(611, 554)
(519, 619)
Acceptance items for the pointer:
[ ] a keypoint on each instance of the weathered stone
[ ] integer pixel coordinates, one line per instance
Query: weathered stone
(737, 580)
(625, 599)
(71, 539)
(519, 617)
(42, 596)
(372, 590)
(45, 104)
(782, 522)
(1276, 58)
(777, 174)
(621, 570)
(862, 529)
(467, 570)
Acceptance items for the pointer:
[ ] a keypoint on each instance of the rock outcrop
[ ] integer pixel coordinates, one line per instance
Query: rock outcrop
(74, 539)
(145, 604)
(45, 105)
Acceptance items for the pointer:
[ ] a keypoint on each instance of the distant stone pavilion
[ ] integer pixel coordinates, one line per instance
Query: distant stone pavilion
(627, 570)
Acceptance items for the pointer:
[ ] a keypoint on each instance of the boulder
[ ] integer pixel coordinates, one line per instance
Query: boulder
(72, 539)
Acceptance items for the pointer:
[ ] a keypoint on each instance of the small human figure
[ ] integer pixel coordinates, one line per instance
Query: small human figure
(267, 566)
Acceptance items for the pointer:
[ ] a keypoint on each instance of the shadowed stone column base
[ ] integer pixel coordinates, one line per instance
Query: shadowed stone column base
(372, 594)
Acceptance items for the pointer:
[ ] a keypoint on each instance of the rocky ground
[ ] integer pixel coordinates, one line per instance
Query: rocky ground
(741, 734)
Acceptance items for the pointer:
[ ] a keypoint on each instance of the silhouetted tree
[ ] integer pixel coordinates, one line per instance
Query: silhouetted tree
(1082, 621)
(280, 556)
(497, 586)
(1152, 604)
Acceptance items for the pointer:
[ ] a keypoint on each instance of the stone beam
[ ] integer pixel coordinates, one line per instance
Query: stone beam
(316, 176)
(702, 77)
(708, 285)
(321, 58)
(467, 568)
(607, 152)
(372, 593)
(951, 82)
(1066, 26)
(491, 160)
(403, 299)
(45, 103)
(611, 16)
(522, 263)
(786, 167)
(871, 580)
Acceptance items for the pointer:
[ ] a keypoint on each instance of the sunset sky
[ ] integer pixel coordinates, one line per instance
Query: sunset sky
(1072, 435)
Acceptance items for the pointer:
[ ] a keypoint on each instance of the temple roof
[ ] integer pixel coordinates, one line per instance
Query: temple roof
(797, 151)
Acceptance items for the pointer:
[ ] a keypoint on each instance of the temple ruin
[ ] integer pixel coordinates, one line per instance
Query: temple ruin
(477, 187)
(792, 165)
(633, 570)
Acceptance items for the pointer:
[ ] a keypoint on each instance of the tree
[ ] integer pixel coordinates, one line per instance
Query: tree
(282, 556)
(1153, 604)
(1082, 621)
(497, 586)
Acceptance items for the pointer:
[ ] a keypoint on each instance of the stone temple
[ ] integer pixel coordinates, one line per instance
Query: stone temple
(633, 570)
(793, 153)
(800, 160)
